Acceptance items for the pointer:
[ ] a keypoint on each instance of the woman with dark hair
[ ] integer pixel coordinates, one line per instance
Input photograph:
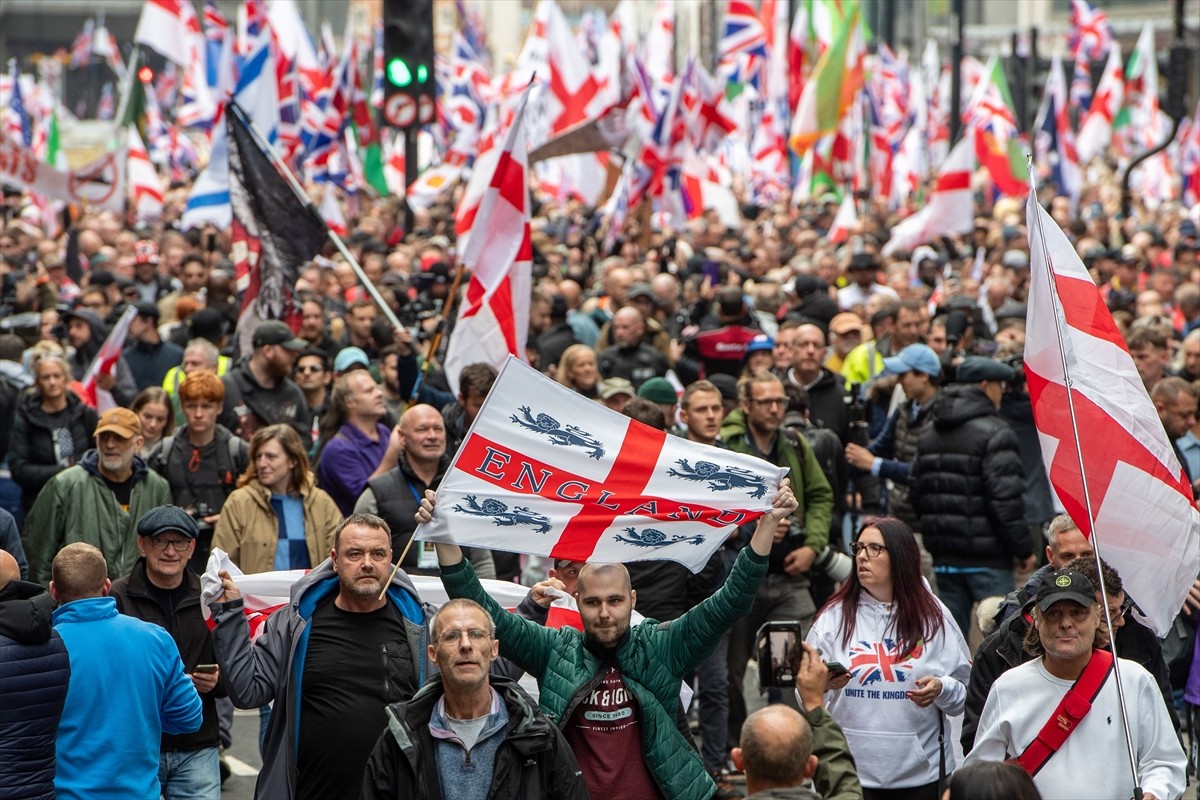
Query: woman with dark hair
(153, 407)
(907, 665)
(991, 780)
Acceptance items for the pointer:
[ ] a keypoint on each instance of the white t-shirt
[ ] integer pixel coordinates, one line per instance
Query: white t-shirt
(1093, 762)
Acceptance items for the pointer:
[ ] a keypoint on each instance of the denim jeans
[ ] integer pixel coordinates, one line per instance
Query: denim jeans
(190, 775)
(960, 590)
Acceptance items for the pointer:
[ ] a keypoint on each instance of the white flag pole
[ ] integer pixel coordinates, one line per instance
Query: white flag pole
(1035, 221)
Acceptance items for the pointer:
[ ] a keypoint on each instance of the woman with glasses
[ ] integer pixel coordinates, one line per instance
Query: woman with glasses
(277, 518)
(906, 662)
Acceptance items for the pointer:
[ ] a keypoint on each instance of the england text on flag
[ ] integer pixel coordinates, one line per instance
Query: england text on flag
(546, 471)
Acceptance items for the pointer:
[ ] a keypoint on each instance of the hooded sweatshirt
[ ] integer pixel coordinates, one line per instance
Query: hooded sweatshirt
(126, 388)
(894, 742)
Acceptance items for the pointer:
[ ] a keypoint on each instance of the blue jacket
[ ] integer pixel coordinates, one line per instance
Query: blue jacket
(34, 672)
(128, 687)
(272, 667)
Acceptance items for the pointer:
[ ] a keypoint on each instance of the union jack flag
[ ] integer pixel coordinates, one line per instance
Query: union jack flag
(81, 49)
(1090, 32)
(17, 125)
(1189, 166)
(881, 662)
(742, 32)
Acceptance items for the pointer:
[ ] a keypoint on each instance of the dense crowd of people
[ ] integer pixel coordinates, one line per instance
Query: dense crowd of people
(890, 389)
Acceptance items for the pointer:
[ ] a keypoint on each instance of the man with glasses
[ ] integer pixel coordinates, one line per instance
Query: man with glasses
(967, 486)
(467, 733)
(162, 590)
(756, 428)
(329, 716)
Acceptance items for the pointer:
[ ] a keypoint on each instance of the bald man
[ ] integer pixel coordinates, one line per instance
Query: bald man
(34, 674)
(418, 459)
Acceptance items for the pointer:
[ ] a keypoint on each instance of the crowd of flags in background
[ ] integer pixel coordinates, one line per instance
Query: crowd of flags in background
(793, 109)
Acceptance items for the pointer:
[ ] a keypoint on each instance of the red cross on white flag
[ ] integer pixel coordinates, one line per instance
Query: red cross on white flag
(1145, 519)
(546, 471)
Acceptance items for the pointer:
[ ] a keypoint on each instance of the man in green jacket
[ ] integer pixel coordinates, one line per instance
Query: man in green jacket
(98, 501)
(614, 690)
(756, 427)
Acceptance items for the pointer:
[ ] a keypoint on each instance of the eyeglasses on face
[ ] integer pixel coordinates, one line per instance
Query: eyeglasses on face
(178, 545)
(873, 550)
(476, 636)
(310, 368)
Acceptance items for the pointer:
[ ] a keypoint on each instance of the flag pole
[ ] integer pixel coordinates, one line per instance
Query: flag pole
(302, 196)
(1087, 497)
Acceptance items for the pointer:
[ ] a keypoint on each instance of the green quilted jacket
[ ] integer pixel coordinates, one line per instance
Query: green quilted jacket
(652, 659)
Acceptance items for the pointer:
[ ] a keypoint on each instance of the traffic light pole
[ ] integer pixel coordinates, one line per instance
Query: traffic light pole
(410, 174)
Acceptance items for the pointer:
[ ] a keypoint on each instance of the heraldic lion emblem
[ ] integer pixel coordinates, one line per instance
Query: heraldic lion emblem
(720, 479)
(651, 537)
(502, 516)
(568, 435)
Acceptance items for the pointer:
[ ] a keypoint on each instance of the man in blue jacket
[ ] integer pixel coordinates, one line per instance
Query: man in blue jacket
(127, 687)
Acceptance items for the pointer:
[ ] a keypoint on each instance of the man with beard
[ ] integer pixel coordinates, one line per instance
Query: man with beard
(259, 391)
(97, 501)
(614, 688)
(467, 734)
(328, 717)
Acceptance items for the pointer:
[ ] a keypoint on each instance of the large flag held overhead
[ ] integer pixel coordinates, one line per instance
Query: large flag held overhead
(273, 231)
(493, 317)
(601, 487)
(1145, 521)
(100, 184)
(1096, 127)
(832, 87)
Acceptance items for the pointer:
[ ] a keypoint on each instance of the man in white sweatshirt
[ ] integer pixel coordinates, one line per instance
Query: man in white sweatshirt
(1068, 628)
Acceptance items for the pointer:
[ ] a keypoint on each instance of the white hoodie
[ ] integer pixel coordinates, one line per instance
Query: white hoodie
(894, 741)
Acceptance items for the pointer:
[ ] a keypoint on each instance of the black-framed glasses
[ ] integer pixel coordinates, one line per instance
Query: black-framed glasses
(476, 635)
(872, 549)
(178, 545)
(311, 368)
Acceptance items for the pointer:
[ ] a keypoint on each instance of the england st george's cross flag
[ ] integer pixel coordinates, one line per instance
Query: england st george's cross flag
(546, 471)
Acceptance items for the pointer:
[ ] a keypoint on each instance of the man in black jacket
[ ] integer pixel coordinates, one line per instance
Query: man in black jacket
(162, 590)
(259, 390)
(468, 734)
(966, 485)
(34, 673)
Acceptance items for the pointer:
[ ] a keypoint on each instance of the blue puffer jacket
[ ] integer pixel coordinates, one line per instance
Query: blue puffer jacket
(34, 673)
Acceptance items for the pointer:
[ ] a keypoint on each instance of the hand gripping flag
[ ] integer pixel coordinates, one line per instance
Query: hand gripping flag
(546, 471)
(1145, 519)
(493, 319)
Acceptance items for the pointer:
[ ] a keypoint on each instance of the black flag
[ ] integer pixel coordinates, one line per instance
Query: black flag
(274, 232)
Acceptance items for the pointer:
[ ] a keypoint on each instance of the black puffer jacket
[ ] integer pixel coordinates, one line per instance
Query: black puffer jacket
(967, 484)
(31, 446)
(34, 673)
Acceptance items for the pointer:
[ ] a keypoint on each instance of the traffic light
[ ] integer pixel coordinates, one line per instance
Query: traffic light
(407, 53)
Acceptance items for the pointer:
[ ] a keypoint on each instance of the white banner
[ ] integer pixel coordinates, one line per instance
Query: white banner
(100, 184)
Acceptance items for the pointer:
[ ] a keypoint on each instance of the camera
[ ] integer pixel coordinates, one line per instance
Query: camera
(833, 564)
(198, 512)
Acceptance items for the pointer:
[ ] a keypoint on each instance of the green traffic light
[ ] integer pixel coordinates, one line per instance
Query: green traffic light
(398, 73)
(422, 73)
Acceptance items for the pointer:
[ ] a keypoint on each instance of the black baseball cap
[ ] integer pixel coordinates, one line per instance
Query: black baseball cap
(1065, 584)
(278, 333)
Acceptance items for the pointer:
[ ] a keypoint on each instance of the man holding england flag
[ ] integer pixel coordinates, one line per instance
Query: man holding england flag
(613, 690)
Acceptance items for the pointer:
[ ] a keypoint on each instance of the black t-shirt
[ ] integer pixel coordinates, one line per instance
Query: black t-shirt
(168, 599)
(351, 670)
(123, 491)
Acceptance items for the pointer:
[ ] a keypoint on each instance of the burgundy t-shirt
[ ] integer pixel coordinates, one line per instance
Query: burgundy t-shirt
(605, 733)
